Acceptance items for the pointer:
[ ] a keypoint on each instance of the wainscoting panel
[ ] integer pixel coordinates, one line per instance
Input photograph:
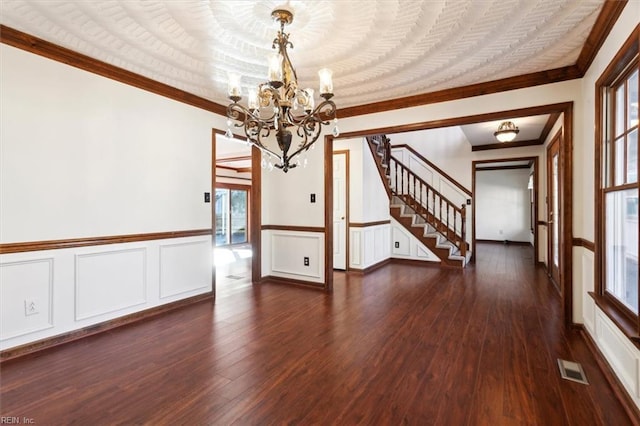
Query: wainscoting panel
(81, 286)
(423, 253)
(286, 252)
(417, 166)
(26, 297)
(409, 246)
(368, 240)
(109, 281)
(369, 245)
(382, 243)
(401, 242)
(588, 304)
(355, 248)
(620, 354)
(184, 267)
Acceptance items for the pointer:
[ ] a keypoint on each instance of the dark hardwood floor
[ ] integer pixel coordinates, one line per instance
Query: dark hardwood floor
(402, 345)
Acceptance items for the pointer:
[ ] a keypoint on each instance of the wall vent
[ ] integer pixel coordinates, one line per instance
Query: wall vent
(572, 371)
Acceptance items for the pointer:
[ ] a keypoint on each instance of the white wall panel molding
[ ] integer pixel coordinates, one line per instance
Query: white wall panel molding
(423, 254)
(584, 279)
(620, 354)
(185, 267)
(355, 248)
(382, 243)
(82, 286)
(26, 297)
(409, 247)
(109, 281)
(286, 253)
(589, 314)
(369, 245)
(402, 242)
(368, 240)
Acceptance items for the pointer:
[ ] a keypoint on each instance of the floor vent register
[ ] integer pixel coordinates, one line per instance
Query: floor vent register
(572, 371)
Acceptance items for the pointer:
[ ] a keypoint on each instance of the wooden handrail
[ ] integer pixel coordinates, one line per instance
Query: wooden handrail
(433, 166)
(437, 209)
(381, 171)
(425, 183)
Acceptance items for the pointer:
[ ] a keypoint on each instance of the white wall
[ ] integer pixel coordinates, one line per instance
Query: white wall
(286, 202)
(375, 201)
(503, 205)
(622, 355)
(368, 202)
(446, 147)
(85, 156)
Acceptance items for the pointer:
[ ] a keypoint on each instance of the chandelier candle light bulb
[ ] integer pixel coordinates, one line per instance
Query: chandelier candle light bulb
(326, 84)
(273, 106)
(275, 70)
(253, 99)
(233, 84)
(311, 103)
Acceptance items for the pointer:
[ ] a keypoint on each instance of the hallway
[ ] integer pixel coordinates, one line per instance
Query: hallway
(401, 345)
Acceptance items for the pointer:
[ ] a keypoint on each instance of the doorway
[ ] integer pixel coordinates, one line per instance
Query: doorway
(509, 213)
(233, 222)
(340, 209)
(553, 211)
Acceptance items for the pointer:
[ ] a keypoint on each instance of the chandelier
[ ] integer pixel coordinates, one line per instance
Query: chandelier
(280, 106)
(506, 132)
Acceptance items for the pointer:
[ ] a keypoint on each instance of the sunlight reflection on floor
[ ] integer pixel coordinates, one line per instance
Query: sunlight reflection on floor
(226, 255)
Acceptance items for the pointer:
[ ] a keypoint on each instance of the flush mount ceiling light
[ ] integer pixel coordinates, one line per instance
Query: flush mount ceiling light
(279, 105)
(506, 132)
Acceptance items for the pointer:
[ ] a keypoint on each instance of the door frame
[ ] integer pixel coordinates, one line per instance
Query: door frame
(557, 138)
(566, 189)
(255, 212)
(533, 161)
(346, 204)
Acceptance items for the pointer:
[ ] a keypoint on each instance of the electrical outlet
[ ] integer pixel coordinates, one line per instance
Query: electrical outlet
(306, 261)
(397, 244)
(30, 307)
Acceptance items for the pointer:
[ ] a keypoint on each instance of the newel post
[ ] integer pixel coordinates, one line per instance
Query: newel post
(463, 243)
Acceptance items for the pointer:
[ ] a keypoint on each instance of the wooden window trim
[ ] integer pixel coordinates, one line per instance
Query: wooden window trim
(624, 62)
(621, 82)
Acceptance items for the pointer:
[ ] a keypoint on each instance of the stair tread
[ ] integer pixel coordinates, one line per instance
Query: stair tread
(429, 235)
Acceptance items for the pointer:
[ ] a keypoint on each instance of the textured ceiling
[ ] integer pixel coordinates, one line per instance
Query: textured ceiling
(378, 50)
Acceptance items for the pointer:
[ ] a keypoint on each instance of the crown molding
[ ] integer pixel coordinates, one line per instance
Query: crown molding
(38, 46)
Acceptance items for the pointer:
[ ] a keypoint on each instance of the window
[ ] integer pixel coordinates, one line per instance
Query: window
(231, 215)
(617, 199)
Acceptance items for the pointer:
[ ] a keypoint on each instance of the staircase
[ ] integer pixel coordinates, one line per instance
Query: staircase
(427, 214)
